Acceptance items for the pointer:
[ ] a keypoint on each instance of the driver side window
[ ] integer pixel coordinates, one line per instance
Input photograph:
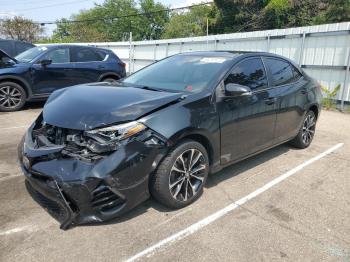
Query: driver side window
(250, 72)
(58, 56)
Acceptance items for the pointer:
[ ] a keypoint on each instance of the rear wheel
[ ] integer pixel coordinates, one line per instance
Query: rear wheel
(306, 132)
(12, 97)
(180, 178)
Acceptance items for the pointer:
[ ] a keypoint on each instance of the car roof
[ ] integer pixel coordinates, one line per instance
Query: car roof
(51, 46)
(236, 54)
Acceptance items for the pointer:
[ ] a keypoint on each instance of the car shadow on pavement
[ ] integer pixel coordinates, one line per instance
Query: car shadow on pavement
(34, 105)
(249, 163)
(213, 180)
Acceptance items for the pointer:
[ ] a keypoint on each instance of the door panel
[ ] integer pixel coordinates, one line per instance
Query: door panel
(247, 122)
(291, 89)
(52, 77)
(58, 74)
(247, 125)
(88, 63)
(291, 110)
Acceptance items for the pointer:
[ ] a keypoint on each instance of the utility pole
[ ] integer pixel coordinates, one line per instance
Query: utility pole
(207, 33)
(130, 52)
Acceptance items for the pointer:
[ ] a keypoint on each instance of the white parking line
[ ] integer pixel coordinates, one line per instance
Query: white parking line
(17, 230)
(9, 177)
(12, 127)
(210, 219)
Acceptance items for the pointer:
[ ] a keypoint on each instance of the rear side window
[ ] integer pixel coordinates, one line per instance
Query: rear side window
(281, 71)
(86, 55)
(249, 73)
(102, 55)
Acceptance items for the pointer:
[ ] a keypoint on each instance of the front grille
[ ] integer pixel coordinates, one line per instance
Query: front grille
(104, 199)
(55, 209)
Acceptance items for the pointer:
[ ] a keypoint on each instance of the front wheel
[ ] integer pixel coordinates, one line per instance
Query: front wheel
(12, 97)
(181, 176)
(306, 132)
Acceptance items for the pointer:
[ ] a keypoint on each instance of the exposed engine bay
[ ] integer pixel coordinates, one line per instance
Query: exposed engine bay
(77, 144)
(91, 145)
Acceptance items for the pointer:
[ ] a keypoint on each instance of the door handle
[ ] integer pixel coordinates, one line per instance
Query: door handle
(270, 101)
(68, 69)
(100, 67)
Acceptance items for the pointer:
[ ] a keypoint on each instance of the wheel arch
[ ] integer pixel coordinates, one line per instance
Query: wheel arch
(109, 75)
(199, 136)
(315, 108)
(18, 80)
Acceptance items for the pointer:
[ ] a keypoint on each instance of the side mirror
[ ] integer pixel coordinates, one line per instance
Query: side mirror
(45, 62)
(232, 90)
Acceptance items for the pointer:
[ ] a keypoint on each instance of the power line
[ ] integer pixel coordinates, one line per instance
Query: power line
(111, 18)
(46, 6)
(25, 2)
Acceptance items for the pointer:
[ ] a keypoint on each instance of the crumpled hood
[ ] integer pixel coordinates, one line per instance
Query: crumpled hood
(89, 106)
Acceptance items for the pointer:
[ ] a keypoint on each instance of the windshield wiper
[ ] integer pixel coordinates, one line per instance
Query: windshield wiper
(150, 88)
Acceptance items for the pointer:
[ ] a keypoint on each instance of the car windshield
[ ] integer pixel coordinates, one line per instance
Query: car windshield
(191, 73)
(30, 54)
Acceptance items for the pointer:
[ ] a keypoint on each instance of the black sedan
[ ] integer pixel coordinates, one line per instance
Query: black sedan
(98, 150)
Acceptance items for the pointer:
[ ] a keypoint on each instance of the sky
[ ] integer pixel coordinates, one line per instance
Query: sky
(45, 11)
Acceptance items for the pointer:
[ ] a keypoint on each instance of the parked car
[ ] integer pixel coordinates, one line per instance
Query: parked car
(98, 150)
(37, 72)
(14, 47)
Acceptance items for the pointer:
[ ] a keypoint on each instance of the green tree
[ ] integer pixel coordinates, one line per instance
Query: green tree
(337, 11)
(239, 15)
(275, 14)
(113, 20)
(151, 25)
(20, 28)
(190, 23)
(248, 15)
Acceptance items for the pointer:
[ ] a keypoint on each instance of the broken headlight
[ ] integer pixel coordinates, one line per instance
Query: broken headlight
(108, 138)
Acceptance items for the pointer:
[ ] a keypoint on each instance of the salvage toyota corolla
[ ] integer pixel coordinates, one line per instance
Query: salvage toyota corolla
(98, 150)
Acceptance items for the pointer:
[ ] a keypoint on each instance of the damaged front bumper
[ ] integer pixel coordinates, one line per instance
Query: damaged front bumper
(76, 191)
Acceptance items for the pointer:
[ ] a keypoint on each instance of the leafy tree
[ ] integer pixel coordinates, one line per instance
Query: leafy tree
(146, 19)
(336, 11)
(113, 20)
(151, 25)
(20, 28)
(275, 14)
(239, 15)
(248, 15)
(190, 23)
(306, 12)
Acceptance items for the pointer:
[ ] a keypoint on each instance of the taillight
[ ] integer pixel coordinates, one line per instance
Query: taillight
(122, 64)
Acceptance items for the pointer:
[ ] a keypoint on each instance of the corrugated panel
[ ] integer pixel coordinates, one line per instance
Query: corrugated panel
(324, 45)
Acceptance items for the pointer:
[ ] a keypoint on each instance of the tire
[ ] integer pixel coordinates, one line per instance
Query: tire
(12, 97)
(306, 132)
(166, 186)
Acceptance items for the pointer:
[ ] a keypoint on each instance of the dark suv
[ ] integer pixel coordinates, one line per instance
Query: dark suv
(37, 72)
